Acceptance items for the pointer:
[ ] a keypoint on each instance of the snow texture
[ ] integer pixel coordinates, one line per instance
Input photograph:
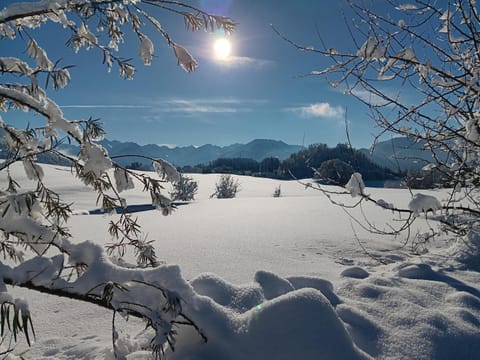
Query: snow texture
(347, 306)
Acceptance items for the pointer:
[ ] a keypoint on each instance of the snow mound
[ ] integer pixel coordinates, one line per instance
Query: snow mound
(238, 298)
(467, 251)
(355, 272)
(322, 285)
(442, 311)
(364, 329)
(299, 323)
(313, 326)
(464, 300)
(272, 284)
(417, 271)
(272, 318)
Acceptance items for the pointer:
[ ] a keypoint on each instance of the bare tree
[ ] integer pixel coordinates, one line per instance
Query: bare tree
(34, 220)
(429, 50)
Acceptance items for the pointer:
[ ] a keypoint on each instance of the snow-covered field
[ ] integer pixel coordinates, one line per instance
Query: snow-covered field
(282, 278)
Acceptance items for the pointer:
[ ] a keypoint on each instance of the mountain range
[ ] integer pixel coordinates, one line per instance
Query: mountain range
(258, 149)
(397, 153)
(402, 153)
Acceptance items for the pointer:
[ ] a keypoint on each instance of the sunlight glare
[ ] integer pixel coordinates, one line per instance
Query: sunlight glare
(222, 48)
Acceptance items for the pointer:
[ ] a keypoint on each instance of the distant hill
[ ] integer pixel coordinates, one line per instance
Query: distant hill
(258, 150)
(401, 152)
(300, 164)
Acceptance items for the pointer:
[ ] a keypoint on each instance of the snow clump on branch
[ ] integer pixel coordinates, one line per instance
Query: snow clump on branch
(422, 203)
(355, 185)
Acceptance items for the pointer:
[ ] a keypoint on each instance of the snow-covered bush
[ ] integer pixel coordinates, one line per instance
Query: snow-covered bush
(416, 67)
(277, 192)
(226, 187)
(184, 189)
(34, 219)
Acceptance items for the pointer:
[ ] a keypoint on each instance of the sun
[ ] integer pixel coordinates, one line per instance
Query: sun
(222, 48)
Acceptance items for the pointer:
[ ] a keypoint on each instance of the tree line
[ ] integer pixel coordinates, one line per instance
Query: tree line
(330, 165)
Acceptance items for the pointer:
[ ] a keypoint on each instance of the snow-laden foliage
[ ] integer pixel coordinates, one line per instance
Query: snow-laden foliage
(94, 159)
(277, 192)
(355, 185)
(226, 187)
(422, 203)
(416, 66)
(184, 189)
(372, 49)
(185, 60)
(33, 220)
(146, 49)
(123, 180)
(166, 170)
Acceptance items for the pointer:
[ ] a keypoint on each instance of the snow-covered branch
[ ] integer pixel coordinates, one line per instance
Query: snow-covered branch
(34, 219)
(155, 295)
(430, 51)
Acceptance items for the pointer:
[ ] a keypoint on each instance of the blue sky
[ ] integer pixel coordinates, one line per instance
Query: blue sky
(259, 93)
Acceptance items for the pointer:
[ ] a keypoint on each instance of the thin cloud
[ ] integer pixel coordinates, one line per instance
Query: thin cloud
(106, 106)
(191, 108)
(203, 106)
(371, 97)
(322, 109)
(228, 100)
(245, 61)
